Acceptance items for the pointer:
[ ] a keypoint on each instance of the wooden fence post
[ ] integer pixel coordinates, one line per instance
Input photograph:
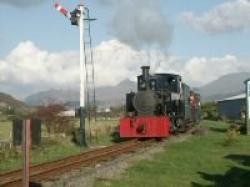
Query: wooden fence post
(26, 148)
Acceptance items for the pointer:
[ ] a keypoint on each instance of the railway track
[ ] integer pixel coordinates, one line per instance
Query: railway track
(45, 171)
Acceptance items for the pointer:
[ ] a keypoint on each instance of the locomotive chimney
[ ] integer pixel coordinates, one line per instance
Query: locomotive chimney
(145, 72)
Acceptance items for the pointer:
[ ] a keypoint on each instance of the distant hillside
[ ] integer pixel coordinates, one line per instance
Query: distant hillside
(225, 86)
(9, 101)
(52, 97)
(105, 96)
(115, 95)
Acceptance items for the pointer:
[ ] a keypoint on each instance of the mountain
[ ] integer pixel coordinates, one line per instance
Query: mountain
(115, 95)
(226, 86)
(7, 101)
(105, 96)
(55, 96)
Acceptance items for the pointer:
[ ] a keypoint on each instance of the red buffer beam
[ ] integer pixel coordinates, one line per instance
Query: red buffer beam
(62, 10)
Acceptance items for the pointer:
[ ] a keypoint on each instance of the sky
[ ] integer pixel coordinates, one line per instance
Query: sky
(201, 40)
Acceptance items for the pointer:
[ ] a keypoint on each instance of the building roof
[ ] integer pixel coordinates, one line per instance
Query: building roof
(236, 97)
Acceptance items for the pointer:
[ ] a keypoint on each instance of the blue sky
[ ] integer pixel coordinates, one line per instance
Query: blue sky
(210, 39)
(49, 30)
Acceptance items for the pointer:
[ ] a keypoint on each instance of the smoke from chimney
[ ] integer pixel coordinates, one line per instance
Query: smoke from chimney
(139, 23)
(142, 25)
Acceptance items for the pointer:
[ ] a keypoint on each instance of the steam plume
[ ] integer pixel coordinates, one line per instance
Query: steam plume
(139, 23)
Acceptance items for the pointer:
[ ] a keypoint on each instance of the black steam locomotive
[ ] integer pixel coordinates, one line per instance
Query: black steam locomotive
(162, 105)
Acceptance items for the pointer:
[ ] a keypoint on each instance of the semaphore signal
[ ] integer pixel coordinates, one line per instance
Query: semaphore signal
(77, 17)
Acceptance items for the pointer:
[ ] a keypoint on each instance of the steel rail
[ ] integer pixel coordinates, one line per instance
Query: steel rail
(59, 167)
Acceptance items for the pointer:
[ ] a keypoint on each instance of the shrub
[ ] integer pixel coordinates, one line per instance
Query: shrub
(210, 111)
(232, 135)
(53, 121)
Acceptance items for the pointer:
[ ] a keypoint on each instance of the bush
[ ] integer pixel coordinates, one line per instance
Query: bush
(232, 135)
(54, 122)
(210, 111)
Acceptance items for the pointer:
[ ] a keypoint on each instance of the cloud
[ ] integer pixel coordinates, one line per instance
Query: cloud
(202, 70)
(28, 69)
(227, 17)
(198, 71)
(139, 23)
(22, 3)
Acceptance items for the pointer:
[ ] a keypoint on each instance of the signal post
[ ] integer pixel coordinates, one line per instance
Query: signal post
(77, 17)
(247, 83)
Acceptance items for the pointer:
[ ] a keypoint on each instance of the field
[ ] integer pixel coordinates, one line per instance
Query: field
(213, 159)
(54, 146)
(5, 130)
(201, 160)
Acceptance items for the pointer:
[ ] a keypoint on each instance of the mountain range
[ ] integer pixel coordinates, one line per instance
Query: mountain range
(225, 86)
(7, 101)
(105, 96)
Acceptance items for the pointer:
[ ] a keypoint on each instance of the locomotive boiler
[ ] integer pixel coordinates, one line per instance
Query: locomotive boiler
(162, 105)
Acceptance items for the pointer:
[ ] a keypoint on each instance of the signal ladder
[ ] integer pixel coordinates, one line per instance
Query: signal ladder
(90, 70)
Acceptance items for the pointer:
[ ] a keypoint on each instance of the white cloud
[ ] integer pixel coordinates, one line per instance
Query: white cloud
(201, 70)
(28, 69)
(116, 61)
(227, 17)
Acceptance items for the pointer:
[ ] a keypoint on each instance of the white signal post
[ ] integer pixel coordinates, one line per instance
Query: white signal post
(77, 18)
(247, 115)
(82, 76)
(82, 59)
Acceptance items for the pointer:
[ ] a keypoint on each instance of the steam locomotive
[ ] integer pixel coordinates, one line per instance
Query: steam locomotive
(163, 105)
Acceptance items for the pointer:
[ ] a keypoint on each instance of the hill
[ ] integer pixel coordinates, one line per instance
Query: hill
(105, 96)
(225, 86)
(7, 101)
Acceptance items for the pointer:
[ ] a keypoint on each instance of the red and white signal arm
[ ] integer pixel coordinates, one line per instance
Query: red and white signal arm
(62, 10)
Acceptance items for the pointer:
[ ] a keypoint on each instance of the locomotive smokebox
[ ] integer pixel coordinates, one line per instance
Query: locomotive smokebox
(145, 72)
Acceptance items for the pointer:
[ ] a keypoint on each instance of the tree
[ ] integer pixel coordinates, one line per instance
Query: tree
(210, 111)
(52, 119)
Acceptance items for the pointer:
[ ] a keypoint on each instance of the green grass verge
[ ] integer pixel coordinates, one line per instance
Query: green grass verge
(198, 161)
(49, 151)
(55, 147)
(5, 130)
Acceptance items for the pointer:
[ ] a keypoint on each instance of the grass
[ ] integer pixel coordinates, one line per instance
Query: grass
(100, 132)
(5, 130)
(198, 161)
(55, 146)
(50, 150)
